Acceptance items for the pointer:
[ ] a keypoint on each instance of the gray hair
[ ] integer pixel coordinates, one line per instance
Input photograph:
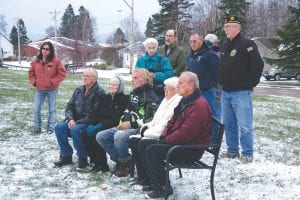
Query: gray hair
(145, 75)
(212, 38)
(93, 71)
(150, 41)
(192, 78)
(171, 82)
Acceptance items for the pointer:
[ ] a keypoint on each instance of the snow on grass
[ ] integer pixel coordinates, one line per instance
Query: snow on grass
(27, 172)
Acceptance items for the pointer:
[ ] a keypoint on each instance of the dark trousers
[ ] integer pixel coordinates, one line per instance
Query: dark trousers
(155, 156)
(141, 166)
(94, 150)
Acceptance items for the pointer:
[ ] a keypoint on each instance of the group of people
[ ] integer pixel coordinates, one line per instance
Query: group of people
(172, 101)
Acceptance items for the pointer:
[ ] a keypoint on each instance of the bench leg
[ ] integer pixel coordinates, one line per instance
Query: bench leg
(212, 184)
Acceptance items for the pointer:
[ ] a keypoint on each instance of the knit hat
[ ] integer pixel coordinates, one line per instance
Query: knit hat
(121, 87)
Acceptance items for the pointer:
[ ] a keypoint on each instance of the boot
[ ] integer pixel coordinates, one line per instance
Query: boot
(124, 169)
(63, 161)
(83, 163)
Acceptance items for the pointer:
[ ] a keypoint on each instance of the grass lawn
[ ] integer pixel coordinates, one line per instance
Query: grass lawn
(26, 159)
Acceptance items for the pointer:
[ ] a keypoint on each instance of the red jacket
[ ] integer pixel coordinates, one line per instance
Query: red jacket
(47, 76)
(192, 126)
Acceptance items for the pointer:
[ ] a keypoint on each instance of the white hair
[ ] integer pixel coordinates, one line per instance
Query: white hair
(212, 38)
(171, 82)
(150, 41)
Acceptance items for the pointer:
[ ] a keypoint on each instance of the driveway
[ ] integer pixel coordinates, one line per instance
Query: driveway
(282, 91)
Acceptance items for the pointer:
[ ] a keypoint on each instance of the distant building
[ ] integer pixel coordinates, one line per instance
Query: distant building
(69, 50)
(7, 49)
(125, 53)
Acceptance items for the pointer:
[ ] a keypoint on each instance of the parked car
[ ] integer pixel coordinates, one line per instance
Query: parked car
(283, 72)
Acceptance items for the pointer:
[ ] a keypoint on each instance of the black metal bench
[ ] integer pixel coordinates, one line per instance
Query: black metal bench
(213, 149)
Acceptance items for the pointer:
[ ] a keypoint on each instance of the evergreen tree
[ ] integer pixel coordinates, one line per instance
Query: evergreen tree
(23, 33)
(84, 27)
(14, 38)
(68, 23)
(174, 14)
(229, 7)
(288, 43)
(119, 37)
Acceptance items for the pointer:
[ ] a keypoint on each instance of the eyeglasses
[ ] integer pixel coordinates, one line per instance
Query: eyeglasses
(87, 76)
(46, 49)
(193, 41)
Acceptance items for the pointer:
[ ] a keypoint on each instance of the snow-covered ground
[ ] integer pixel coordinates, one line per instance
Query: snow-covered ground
(27, 172)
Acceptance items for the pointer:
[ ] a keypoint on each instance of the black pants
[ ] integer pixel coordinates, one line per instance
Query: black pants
(96, 153)
(141, 165)
(155, 156)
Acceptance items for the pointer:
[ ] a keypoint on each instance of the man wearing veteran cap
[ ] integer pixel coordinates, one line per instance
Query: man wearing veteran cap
(240, 69)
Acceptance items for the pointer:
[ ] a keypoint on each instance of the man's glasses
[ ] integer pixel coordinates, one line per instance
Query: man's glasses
(193, 41)
(87, 76)
(46, 49)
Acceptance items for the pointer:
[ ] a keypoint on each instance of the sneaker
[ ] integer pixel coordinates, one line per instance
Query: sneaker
(159, 193)
(229, 155)
(246, 159)
(63, 161)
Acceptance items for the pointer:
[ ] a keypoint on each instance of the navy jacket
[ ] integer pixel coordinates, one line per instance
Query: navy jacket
(206, 65)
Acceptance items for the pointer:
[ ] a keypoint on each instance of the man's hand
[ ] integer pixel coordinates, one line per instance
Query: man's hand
(71, 123)
(124, 125)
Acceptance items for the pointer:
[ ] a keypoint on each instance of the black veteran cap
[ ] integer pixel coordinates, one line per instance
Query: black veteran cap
(232, 19)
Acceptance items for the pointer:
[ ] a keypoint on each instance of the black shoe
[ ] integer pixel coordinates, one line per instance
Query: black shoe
(105, 168)
(159, 193)
(36, 130)
(83, 163)
(96, 168)
(149, 188)
(143, 182)
(63, 161)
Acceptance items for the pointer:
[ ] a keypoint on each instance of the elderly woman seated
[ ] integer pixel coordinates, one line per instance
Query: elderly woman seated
(152, 130)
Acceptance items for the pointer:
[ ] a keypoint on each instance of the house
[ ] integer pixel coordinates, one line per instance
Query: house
(69, 50)
(6, 47)
(125, 53)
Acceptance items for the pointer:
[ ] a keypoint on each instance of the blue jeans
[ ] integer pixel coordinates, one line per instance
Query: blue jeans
(63, 132)
(40, 97)
(210, 96)
(116, 143)
(237, 113)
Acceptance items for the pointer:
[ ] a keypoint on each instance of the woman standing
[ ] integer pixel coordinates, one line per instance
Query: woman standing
(45, 74)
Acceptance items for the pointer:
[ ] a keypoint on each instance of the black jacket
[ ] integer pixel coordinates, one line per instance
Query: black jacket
(112, 110)
(241, 64)
(83, 108)
(143, 103)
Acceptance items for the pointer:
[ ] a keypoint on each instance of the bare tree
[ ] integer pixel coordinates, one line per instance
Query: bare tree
(3, 25)
(126, 24)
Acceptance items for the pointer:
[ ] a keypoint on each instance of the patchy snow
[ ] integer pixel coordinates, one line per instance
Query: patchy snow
(27, 171)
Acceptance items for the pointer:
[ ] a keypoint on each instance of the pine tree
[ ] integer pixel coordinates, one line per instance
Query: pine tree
(119, 37)
(174, 14)
(23, 33)
(68, 23)
(84, 26)
(229, 7)
(14, 38)
(288, 43)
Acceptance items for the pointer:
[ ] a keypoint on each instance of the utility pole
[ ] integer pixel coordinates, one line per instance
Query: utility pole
(55, 29)
(131, 35)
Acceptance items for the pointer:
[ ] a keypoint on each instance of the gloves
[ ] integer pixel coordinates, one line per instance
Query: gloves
(91, 129)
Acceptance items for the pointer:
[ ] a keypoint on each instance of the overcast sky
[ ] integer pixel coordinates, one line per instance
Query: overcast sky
(107, 13)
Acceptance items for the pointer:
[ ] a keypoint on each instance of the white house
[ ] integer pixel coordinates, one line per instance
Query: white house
(6, 46)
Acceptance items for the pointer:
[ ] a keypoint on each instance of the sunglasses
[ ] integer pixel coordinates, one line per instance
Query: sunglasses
(46, 49)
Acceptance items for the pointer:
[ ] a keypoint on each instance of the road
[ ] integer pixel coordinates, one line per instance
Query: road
(278, 91)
